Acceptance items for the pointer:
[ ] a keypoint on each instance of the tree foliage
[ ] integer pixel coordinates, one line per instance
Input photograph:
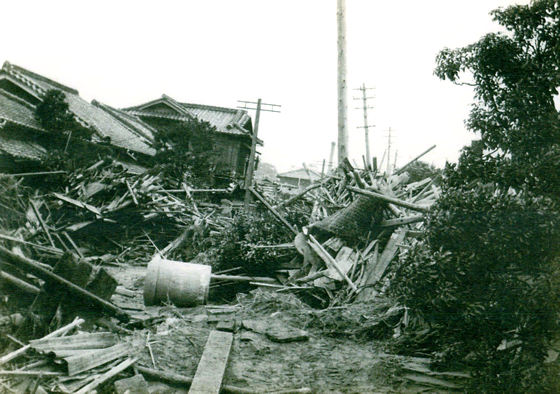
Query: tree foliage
(487, 276)
(515, 77)
(53, 113)
(187, 150)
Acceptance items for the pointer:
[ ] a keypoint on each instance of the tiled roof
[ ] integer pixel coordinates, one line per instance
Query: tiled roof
(142, 129)
(21, 149)
(226, 120)
(104, 123)
(301, 174)
(15, 110)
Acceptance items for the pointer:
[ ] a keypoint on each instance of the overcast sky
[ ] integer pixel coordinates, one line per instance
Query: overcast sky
(216, 52)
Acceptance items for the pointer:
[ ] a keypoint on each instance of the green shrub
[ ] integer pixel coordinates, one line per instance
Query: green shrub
(487, 280)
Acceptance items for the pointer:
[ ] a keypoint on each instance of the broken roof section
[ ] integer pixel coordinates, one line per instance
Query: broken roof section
(15, 111)
(226, 120)
(109, 124)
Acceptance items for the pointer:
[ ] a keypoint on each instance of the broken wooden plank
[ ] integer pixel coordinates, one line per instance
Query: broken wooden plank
(330, 261)
(274, 212)
(96, 340)
(21, 284)
(77, 203)
(401, 221)
(48, 275)
(212, 365)
(106, 376)
(375, 271)
(42, 223)
(396, 201)
(94, 358)
(60, 331)
(42, 248)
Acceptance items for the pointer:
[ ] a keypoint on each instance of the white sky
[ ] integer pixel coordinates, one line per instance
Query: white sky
(216, 52)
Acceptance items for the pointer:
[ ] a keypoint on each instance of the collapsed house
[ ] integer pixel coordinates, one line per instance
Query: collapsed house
(126, 135)
(24, 140)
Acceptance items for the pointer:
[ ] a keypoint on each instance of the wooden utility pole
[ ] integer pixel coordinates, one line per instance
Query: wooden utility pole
(365, 126)
(251, 164)
(342, 88)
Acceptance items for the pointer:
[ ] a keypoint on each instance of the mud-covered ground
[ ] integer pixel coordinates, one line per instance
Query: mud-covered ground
(322, 363)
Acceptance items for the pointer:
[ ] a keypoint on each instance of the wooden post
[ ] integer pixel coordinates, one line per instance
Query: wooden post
(342, 86)
(251, 165)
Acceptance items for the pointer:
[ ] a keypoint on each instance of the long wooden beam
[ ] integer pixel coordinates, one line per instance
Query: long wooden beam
(48, 275)
(395, 201)
(274, 212)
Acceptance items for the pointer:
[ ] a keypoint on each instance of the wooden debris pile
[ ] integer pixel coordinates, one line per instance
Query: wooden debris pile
(104, 212)
(66, 361)
(360, 221)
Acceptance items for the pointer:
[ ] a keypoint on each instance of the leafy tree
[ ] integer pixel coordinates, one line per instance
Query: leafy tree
(515, 76)
(186, 150)
(487, 276)
(54, 115)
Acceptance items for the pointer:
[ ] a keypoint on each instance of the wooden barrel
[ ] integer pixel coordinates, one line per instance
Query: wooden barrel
(175, 282)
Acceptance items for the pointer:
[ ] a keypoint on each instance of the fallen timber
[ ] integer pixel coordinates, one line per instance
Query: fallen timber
(48, 275)
(395, 201)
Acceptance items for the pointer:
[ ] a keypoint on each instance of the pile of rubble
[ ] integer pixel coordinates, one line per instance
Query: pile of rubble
(57, 243)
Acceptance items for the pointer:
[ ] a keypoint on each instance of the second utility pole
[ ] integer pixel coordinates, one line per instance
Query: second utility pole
(251, 163)
(366, 126)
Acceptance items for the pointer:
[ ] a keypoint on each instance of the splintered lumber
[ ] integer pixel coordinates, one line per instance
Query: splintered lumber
(48, 275)
(77, 203)
(30, 373)
(42, 223)
(21, 284)
(94, 358)
(96, 340)
(212, 365)
(54, 251)
(274, 212)
(401, 221)
(376, 270)
(53, 334)
(106, 376)
(396, 201)
(330, 261)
